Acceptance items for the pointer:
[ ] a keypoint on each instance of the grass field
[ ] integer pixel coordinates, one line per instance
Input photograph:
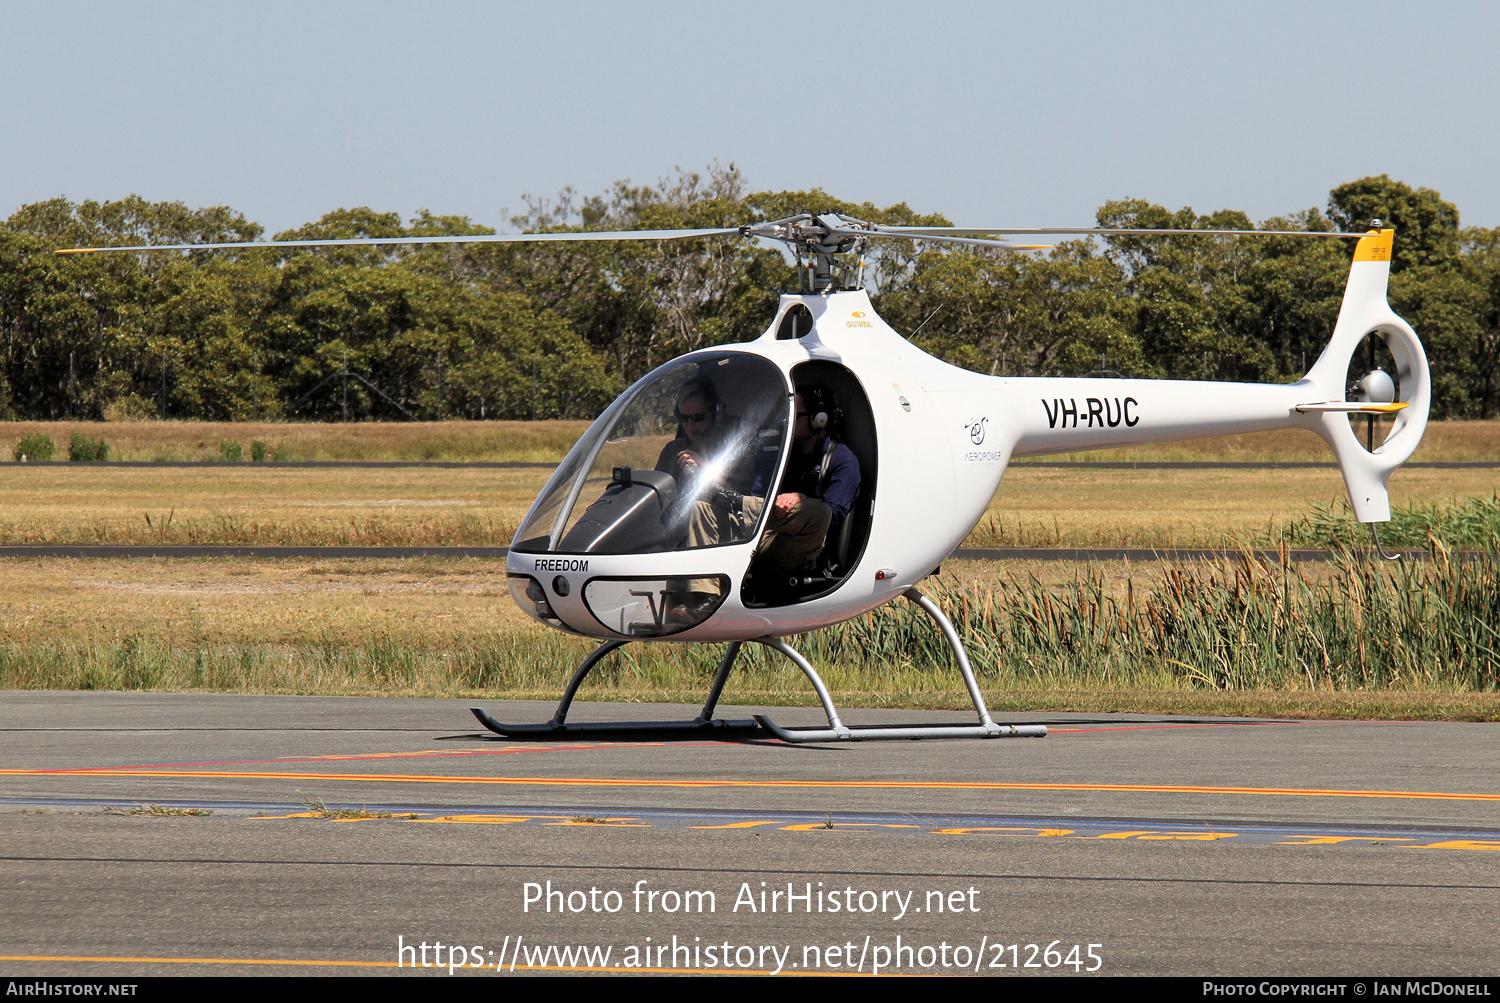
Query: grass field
(449, 626)
(264, 504)
(538, 441)
(313, 506)
(548, 441)
(1447, 441)
(1080, 507)
(1041, 635)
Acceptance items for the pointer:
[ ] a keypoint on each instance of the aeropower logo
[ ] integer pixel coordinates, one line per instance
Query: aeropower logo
(976, 427)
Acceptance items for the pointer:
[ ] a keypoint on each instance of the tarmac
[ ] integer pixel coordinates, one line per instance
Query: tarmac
(352, 836)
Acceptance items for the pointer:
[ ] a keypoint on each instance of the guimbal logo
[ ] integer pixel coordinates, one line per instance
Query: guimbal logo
(859, 319)
(976, 429)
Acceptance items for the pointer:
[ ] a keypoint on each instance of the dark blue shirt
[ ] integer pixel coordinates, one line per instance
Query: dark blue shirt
(804, 475)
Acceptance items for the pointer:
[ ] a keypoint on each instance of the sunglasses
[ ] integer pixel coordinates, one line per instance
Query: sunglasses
(694, 417)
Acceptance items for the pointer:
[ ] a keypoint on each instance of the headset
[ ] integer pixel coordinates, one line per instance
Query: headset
(700, 386)
(823, 407)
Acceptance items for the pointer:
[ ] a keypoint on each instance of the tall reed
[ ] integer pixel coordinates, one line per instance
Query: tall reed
(1464, 522)
(1234, 625)
(1229, 625)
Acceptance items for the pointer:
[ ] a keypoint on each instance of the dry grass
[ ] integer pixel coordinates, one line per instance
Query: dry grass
(1446, 441)
(539, 441)
(267, 505)
(220, 604)
(271, 505)
(547, 441)
(317, 808)
(427, 603)
(448, 628)
(158, 811)
(1081, 507)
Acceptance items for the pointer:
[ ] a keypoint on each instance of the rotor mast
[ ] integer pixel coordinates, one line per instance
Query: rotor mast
(814, 240)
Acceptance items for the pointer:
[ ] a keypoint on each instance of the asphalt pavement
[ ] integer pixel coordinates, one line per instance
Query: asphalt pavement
(331, 834)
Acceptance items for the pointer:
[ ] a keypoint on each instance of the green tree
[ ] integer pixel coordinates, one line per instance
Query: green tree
(1227, 308)
(1003, 312)
(1456, 312)
(1426, 226)
(510, 330)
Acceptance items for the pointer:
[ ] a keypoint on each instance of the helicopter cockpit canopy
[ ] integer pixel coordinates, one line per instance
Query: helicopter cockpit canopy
(686, 432)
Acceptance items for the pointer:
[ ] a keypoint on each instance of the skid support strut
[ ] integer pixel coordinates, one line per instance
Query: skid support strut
(705, 724)
(837, 731)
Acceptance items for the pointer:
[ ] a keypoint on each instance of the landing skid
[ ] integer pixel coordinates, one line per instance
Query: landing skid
(705, 725)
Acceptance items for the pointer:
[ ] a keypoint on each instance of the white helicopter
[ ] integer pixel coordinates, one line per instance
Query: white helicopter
(610, 548)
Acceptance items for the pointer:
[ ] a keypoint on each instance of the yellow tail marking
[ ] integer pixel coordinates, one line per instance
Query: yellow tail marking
(1375, 246)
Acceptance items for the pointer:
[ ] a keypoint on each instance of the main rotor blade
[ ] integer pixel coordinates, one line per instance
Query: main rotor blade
(908, 231)
(478, 238)
(943, 239)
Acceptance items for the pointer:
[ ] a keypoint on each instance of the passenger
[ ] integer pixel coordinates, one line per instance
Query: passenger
(817, 490)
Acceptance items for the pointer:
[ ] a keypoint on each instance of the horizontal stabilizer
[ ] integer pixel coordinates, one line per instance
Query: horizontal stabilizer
(1353, 407)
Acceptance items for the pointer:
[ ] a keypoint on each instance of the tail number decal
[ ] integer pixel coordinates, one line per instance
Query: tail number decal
(1097, 412)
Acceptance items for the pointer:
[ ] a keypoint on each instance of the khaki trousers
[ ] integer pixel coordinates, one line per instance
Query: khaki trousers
(789, 544)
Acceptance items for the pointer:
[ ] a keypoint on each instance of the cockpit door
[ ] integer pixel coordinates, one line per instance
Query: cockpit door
(832, 390)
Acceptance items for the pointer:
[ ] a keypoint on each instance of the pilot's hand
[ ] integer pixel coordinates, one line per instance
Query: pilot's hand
(784, 503)
(687, 460)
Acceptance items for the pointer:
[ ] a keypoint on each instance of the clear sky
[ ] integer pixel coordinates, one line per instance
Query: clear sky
(992, 113)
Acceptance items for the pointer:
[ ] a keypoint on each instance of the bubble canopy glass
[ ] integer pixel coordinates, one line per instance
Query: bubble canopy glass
(625, 488)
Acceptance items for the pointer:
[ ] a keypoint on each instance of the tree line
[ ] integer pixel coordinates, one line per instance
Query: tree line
(556, 330)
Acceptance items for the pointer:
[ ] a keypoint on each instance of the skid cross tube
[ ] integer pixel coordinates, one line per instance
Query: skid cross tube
(703, 725)
(837, 731)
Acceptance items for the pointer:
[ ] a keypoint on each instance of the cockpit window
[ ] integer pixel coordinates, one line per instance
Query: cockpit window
(668, 465)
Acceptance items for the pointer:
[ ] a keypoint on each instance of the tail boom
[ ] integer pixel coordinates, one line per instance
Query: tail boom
(1056, 415)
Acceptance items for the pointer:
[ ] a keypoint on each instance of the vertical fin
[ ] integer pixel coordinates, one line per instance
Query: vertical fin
(1365, 310)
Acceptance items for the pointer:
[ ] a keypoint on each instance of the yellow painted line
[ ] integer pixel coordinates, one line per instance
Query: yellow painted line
(405, 816)
(1203, 836)
(1004, 830)
(310, 963)
(1118, 835)
(944, 785)
(1134, 835)
(614, 823)
(810, 826)
(1460, 844)
(1328, 840)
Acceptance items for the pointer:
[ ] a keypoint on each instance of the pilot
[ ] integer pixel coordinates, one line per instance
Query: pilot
(817, 490)
(710, 457)
(697, 410)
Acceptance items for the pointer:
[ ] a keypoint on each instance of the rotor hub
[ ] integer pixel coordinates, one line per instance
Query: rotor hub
(814, 240)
